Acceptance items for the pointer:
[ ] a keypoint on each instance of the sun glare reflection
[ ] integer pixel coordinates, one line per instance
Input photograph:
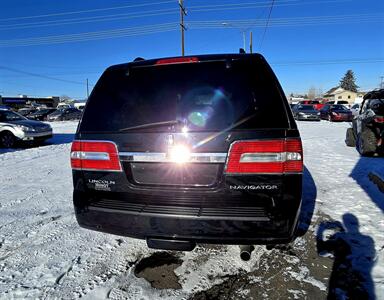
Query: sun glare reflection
(179, 154)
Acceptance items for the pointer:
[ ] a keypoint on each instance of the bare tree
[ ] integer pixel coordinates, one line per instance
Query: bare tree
(312, 93)
(319, 93)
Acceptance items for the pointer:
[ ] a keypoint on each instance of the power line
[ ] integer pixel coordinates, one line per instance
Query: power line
(114, 17)
(88, 36)
(172, 26)
(266, 25)
(158, 12)
(238, 6)
(40, 75)
(64, 74)
(87, 11)
(311, 18)
(259, 3)
(319, 20)
(330, 62)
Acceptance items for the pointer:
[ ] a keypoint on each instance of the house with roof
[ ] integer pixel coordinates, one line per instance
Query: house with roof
(338, 93)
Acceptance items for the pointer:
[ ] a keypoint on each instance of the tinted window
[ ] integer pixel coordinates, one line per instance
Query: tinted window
(42, 111)
(10, 116)
(205, 96)
(57, 112)
(338, 107)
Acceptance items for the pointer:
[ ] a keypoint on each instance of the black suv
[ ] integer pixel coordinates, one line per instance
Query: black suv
(367, 132)
(189, 150)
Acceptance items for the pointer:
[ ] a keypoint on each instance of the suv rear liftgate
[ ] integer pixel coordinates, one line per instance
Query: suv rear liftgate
(189, 150)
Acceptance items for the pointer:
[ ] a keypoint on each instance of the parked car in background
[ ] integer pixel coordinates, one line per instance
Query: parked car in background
(341, 102)
(355, 109)
(79, 105)
(336, 112)
(316, 104)
(41, 114)
(63, 105)
(15, 128)
(26, 111)
(200, 149)
(4, 107)
(65, 114)
(305, 112)
(367, 132)
(39, 106)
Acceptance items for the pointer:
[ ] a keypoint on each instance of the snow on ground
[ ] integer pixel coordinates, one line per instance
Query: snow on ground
(45, 254)
(343, 187)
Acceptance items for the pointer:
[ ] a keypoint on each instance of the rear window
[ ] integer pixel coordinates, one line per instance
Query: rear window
(205, 96)
(305, 107)
(339, 107)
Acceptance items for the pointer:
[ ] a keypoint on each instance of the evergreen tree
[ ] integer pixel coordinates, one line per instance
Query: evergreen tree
(348, 82)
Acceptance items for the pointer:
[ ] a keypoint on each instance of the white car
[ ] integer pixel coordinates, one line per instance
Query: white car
(15, 127)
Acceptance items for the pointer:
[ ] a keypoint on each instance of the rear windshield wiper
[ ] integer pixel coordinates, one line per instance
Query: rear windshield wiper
(150, 125)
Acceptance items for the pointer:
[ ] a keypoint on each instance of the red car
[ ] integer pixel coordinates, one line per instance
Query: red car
(336, 112)
(316, 104)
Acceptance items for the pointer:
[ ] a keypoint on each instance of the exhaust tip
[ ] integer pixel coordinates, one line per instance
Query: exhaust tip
(246, 251)
(245, 256)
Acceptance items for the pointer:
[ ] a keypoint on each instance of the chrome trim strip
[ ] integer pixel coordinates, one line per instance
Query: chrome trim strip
(90, 155)
(162, 157)
(257, 157)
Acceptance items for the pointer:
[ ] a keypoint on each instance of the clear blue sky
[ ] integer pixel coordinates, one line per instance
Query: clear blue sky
(307, 42)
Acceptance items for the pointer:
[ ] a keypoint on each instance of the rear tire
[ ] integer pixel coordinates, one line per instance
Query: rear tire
(350, 139)
(7, 140)
(367, 143)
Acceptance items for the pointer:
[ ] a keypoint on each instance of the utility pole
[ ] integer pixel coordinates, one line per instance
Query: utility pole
(87, 89)
(381, 82)
(244, 47)
(250, 42)
(182, 27)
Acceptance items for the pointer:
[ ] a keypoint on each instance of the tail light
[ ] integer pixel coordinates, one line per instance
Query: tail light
(265, 157)
(379, 119)
(95, 156)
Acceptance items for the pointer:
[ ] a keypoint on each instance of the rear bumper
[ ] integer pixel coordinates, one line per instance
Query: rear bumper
(308, 118)
(226, 225)
(342, 118)
(31, 136)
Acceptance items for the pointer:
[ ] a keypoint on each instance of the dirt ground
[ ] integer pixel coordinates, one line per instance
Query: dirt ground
(295, 271)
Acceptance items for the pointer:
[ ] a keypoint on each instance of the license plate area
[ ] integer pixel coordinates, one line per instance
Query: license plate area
(173, 174)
